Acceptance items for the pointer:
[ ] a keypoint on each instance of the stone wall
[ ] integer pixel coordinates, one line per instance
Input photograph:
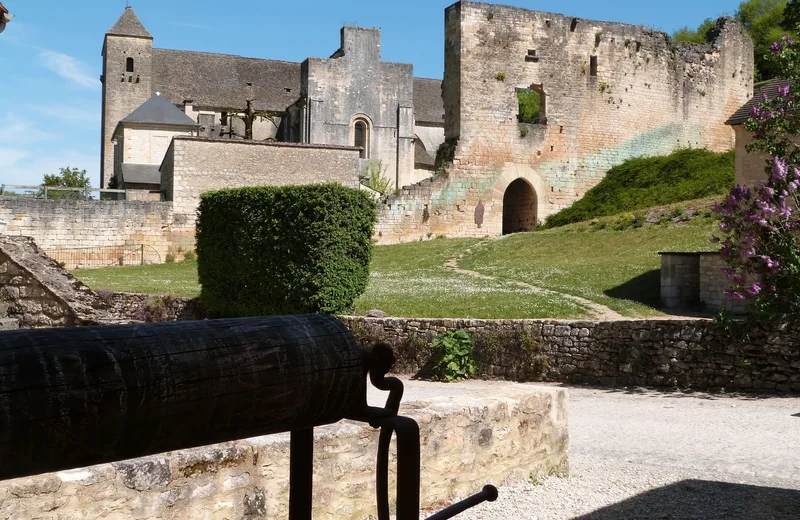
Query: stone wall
(613, 91)
(75, 224)
(196, 165)
(467, 441)
(36, 292)
(695, 281)
(690, 354)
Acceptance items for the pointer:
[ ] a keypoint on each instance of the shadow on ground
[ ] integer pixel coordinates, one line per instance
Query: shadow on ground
(646, 289)
(699, 499)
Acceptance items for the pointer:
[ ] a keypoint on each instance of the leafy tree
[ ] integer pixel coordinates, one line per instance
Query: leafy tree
(763, 21)
(530, 106)
(699, 35)
(67, 178)
(791, 16)
(761, 225)
(249, 116)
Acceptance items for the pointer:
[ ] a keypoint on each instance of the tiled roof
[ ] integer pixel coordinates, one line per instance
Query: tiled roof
(224, 80)
(129, 25)
(159, 110)
(769, 88)
(428, 104)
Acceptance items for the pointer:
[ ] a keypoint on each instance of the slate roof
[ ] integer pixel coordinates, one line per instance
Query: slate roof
(770, 88)
(221, 80)
(428, 104)
(129, 25)
(159, 110)
(423, 159)
(136, 173)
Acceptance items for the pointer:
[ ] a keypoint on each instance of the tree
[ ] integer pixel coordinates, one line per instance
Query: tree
(248, 116)
(791, 16)
(700, 35)
(761, 225)
(763, 21)
(530, 106)
(67, 178)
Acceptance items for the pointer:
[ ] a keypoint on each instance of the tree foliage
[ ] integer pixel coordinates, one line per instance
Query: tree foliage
(68, 178)
(530, 106)
(761, 225)
(700, 35)
(763, 20)
(249, 115)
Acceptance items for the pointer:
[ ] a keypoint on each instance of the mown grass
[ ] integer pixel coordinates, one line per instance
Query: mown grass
(652, 181)
(619, 269)
(179, 279)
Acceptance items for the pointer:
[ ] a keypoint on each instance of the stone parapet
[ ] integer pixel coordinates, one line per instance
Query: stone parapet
(467, 440)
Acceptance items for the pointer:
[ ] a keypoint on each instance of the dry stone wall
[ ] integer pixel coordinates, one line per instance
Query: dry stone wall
(612, 91)
(690, 354)
(466, 442)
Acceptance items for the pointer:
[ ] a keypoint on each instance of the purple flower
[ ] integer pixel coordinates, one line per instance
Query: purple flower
(783, 91)
(776, 47)
(769, 192)
(779, 170)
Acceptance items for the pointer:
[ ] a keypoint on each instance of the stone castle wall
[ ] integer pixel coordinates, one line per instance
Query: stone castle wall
(74, 224)
(612, 91)
(196, 165)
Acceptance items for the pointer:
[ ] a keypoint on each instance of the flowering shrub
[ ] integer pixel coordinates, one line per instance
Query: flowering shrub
(760, 225)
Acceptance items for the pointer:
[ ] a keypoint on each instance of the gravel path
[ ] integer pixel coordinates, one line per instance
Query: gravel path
(650, 455)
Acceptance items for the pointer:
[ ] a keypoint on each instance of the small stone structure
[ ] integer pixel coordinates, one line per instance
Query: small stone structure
(695, 281)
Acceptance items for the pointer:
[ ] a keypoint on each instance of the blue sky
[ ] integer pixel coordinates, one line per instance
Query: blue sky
(50, 54)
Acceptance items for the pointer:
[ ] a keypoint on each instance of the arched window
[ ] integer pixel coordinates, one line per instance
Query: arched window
(361, 137)
(129, 65)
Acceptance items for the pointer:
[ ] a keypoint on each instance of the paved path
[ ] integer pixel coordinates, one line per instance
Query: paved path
(650, 455)
(596, 310)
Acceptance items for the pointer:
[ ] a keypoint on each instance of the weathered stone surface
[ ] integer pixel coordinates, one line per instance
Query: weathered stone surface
(376, 313)
(466, 440)
(691, 354)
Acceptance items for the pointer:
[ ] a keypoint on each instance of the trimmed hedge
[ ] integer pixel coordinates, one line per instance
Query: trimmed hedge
(284, 250)
(652, 181)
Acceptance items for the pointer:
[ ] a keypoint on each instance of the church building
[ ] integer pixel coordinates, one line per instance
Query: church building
(352, 98)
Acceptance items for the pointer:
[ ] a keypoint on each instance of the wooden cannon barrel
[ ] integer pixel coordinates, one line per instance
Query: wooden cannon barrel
(75, 397)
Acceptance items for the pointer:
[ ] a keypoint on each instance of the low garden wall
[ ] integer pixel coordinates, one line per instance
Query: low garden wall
(467, 441)
(691, 354)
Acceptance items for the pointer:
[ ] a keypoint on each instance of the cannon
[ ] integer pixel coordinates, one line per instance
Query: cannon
(76, 397)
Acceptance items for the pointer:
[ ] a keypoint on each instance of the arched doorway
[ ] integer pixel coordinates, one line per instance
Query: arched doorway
(519, 207)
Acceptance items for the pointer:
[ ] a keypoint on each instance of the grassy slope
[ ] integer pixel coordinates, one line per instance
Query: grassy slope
(179, 279)
(619, 269)
(646, 182)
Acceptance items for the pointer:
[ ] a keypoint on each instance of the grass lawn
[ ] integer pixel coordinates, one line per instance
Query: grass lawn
(619, 269)
(179, 279)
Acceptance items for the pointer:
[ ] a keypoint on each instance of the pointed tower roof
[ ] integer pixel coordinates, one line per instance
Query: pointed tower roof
(129, 25)
(159, 110)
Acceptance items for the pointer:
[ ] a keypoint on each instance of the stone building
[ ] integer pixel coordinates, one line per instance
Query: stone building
(607, 92)
(350, 99)
(751, 166)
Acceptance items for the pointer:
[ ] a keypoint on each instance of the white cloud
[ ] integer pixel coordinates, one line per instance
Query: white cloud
(69, 68)
(9, 156)
(69, 113)
(17, 130)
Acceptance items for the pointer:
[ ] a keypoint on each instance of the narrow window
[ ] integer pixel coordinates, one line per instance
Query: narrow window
(531, 105)
(573, 25)
(361, 137)
(129, 65)
(593, 66)
(223, 120)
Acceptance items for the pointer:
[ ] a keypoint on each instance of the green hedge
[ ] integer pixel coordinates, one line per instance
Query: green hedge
(652, 181)
(284, 250)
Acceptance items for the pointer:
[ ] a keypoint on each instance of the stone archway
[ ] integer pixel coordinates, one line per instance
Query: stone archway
(519, 207)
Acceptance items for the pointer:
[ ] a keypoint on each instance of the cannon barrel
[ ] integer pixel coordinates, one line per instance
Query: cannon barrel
(82, 396)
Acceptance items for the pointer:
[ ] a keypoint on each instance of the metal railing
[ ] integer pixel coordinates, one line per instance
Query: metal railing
(56, 193)
(105, 256)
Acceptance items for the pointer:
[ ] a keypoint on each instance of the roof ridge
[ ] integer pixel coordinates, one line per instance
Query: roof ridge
(129, 25)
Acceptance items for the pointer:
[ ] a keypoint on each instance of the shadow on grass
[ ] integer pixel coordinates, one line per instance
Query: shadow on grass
(708, 500)
(644, 289)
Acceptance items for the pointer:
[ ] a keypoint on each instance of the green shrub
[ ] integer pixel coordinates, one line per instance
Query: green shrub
(170, 258)
(190, 256)
(654, 181)
(454, 359)
(284, 250)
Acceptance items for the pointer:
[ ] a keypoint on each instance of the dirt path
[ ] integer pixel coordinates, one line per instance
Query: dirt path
(597, 311)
